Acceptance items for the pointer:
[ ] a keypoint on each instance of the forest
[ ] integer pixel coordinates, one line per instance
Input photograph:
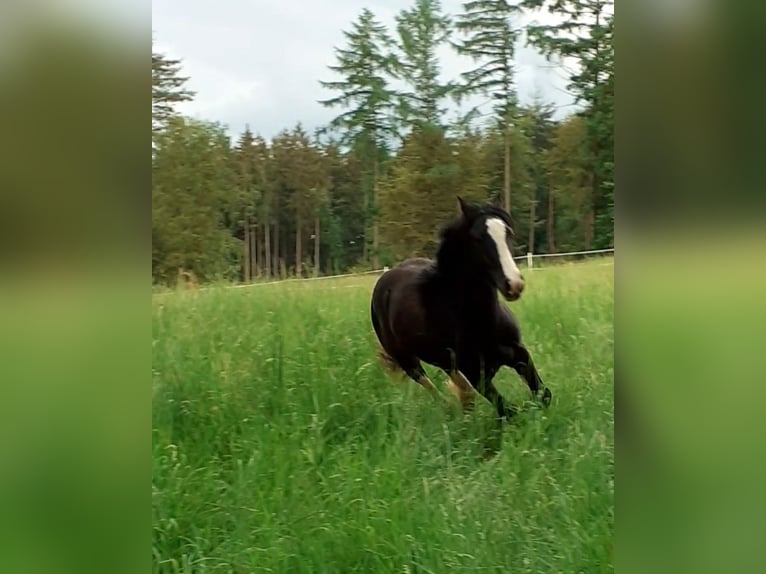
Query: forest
(377, 183)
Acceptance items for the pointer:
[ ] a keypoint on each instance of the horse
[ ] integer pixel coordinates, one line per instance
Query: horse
(446, 312)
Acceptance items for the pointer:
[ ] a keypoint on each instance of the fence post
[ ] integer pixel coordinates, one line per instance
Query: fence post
(529, 260)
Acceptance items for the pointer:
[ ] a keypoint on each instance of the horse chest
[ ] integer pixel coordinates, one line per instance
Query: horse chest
(469, 332)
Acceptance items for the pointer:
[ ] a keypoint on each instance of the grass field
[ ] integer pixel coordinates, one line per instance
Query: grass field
(281, 445)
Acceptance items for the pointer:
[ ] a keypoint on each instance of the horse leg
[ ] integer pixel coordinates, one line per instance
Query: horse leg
(518, 358)
(414, 370)
(462, 389)
(488, 390)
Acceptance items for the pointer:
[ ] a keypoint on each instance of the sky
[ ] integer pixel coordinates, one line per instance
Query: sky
(259, 62)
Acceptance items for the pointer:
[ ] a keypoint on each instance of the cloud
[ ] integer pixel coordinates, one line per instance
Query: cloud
(259, 62)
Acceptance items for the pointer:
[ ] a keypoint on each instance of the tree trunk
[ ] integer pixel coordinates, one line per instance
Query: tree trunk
(283, 257)
(507, 170)
(589, 219)
(316, 246)
(246, 254)
(588, 225)
(366, 212)
(531, 242)
(277, 268)
(254, 251)
(375, 257)
(298, 250)
(550, 221)
(267, 249)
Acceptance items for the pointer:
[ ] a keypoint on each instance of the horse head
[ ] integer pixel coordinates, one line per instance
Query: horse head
(489, 245)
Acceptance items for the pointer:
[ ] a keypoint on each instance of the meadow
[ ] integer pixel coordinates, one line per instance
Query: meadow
(280, 444)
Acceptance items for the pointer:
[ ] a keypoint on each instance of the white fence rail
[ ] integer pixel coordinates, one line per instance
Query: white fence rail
(529, 258)
(302, 279)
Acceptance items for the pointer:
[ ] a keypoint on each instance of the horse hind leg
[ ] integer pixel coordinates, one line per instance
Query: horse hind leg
(410, 368)
(459, 385)
(414, 370)
(462, 389)
(388, 362)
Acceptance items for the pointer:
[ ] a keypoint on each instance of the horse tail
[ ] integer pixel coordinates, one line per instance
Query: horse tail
(388, 362)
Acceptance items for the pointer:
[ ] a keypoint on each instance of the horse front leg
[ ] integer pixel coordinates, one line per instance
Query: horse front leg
(484, 385)
(518, 358)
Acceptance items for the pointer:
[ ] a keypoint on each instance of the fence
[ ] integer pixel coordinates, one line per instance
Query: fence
(529, 258)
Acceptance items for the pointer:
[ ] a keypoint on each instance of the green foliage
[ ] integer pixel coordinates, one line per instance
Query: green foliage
(381, 185)
(280, 445)
(490, 43)
(194, 203)
(168, 88)
(585, 38)
(419, 194)
(422, 30)
(346, 206)
(300, 172)
(254, 173)
(568, 166)
(365, 66)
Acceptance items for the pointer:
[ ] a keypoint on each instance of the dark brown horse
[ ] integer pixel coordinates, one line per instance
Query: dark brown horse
(446, 312)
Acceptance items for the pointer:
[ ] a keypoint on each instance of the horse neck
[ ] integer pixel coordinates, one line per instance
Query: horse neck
(459, 279)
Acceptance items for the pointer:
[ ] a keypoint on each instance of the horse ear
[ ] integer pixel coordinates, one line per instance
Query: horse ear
(468, 210)
(497, 201)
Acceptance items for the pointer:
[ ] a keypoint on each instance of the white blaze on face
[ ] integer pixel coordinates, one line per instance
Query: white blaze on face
(496, 229)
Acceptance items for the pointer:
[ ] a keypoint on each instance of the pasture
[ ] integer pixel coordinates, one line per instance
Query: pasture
(280, 444)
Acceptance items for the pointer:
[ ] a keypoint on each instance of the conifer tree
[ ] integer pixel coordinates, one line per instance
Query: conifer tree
(421, 31)
(304, 181)
(194, 203)
(568, 165)
(490, 40)
(365, 66)
(168, 88)
(585, 38)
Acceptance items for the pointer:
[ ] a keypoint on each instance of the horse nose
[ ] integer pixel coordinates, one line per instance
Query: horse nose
(515, 286)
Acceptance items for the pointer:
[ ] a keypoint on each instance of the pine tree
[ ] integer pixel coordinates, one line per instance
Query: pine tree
(195, 207)
(513, 150)
(568, 166)
(418, 194)
(249, 190)
(421, 31)
(304, 181)
(365, 66)
(585, 37)
(346, 207)
(490, 42)
(168, 88)
(264, 186)
(540, 126)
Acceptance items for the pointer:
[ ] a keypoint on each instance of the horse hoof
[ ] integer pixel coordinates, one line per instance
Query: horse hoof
(509, 413)
(547, 397)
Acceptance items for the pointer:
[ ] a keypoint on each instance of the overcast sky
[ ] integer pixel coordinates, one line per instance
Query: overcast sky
(259, 62)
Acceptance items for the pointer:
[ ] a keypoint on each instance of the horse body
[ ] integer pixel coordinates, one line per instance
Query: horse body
(445, 312)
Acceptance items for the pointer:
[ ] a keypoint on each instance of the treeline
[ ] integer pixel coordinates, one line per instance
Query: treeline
(375, 185)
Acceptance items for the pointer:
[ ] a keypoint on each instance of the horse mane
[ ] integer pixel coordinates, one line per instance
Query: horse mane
(452, 246)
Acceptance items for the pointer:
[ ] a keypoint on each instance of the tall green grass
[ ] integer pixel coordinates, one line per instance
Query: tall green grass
(281, 445)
